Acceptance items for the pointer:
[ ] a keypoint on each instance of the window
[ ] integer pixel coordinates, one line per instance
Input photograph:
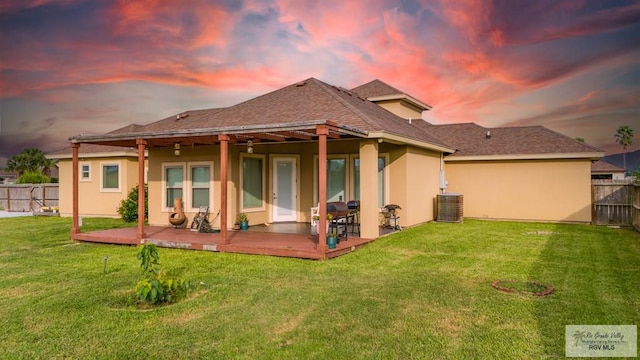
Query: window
(174, 180)
(381, 180)
(336, 179)
(190, 181)
(85, 172)
(252, 182)
(110, 177)
(200, 185)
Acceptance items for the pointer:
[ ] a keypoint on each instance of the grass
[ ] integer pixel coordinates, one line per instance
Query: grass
(422, 293)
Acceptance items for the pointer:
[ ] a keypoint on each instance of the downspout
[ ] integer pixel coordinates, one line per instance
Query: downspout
(443, 181)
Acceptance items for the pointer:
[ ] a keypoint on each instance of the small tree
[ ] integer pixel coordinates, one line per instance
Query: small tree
(128, 208)
(624, 137)
(156, 288)
(33, 177)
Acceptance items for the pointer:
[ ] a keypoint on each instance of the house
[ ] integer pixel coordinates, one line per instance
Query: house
(106, 175)
(8, 177)
(602, 170)
(261, 157)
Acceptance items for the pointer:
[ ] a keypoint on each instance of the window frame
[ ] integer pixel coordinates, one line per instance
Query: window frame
(111, 163)
(264, 182)
(165, 166)
(82, 177)
(347, 176)
(188, 185)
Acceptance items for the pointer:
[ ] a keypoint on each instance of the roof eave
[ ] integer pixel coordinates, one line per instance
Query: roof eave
(227, 130)
(545, 156)
(383, 136)
(95, 155)
(413, 101)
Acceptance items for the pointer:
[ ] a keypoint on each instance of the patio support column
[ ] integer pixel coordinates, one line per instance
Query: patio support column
(141, 198)
(322, 132)
(369, 185)
(224, 155)
(75, 225)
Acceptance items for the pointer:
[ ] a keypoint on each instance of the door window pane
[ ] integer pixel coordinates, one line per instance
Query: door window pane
(336, 177)
(381, 184)
(252, 182)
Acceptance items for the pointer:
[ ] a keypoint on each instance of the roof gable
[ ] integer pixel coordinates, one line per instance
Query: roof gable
(378, 91)
(375, 88)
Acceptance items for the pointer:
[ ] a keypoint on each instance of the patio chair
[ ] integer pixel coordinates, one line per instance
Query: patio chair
(201, 222)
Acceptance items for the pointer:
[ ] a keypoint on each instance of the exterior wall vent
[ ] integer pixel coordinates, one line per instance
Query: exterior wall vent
(449, 207)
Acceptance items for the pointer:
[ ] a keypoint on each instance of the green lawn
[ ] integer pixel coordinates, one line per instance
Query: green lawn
(422, 293)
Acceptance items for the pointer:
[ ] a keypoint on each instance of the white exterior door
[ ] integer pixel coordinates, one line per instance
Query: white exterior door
(284, 189)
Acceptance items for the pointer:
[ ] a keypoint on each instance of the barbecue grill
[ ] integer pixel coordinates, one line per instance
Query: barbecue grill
(391, 218)
(340, 212)
(354, 215)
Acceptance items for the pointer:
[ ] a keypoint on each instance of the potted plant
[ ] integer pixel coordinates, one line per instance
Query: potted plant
(243, 220)
(332, 233)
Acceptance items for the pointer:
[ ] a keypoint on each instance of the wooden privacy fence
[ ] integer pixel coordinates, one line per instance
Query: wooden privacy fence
(636, 205)
(612, 202)
(28, 197)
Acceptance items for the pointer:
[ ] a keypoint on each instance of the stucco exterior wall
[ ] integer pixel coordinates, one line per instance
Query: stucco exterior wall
(401, 108)
(548, 190)
(414, 178)
(92, 200)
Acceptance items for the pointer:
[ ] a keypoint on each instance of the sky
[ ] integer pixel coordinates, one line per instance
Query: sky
(70, 67)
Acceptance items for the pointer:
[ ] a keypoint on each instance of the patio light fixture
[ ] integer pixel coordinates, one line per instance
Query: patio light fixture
(176, 149)
(250, 147)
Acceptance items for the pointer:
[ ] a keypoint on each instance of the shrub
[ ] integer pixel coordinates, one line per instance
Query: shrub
(128, 208)
(156, 287)
(33, 177)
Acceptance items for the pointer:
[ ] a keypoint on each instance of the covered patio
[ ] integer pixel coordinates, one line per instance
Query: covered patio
(268, 243)
(286, 240)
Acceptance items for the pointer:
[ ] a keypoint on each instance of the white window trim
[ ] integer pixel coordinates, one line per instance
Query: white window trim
(88, 178)
(188, 186)
(164, 184)
(264, 182)
(111, 163)
(347, 175)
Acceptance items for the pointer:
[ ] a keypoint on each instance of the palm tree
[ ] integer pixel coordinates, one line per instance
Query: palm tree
(29, 160)
(624, 137)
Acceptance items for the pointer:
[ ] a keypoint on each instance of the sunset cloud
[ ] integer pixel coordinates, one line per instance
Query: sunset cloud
(566, 64)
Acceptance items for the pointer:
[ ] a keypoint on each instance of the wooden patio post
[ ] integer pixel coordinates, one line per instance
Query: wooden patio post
(141, 198)
(322, 132)
(224, 154)
(75, 225)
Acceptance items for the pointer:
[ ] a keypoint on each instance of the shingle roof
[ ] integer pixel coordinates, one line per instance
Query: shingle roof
(603, 166)
(471, 139)
(313, 101)
(308, 100)
(375, 88)
(90, 149)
